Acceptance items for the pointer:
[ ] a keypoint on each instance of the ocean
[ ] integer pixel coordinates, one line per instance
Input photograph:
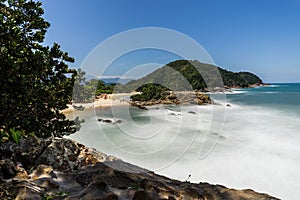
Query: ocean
(250, 139)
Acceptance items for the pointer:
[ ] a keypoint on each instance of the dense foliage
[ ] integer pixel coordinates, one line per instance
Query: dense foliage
(85, 90)
(184, 75)
(250, 78)
(150, 92)
(101, 88)
(82, 91)
(35, 80)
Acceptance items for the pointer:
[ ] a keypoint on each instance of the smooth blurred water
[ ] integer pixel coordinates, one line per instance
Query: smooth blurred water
(257, 139)
(281, 96)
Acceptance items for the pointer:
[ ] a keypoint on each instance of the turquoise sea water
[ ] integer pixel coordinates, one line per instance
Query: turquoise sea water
(278, 96)
(252, 144)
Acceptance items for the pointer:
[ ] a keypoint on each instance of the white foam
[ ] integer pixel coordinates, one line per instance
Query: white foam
(273, 86)
(237, 92)
(233, 91)
(270, 92)
(258, 148)
(260, 151)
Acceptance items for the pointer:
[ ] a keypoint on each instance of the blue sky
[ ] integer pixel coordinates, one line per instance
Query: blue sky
(261, 36)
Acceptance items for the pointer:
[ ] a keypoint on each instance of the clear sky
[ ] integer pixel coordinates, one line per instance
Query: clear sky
(261, 36)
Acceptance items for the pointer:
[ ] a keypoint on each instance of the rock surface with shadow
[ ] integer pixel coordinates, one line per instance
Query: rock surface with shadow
(64, 169)
(176, 98)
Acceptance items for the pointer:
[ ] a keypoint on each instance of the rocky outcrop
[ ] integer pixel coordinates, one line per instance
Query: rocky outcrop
(258, 85)
(64, 169)
(110, 121)
(183, 98)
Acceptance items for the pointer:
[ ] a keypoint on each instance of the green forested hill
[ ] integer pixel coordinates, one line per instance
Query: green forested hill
(184, 75)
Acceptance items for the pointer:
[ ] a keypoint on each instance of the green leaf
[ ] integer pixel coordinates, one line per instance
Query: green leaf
(34, 85)
(15, 134)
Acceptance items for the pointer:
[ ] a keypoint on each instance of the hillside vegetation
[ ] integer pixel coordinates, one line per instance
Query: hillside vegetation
(183, 75)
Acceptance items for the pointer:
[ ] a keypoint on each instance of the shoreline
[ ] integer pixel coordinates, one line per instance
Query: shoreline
(122, 99)
(92, 174)
(250, 116)
(115, 99)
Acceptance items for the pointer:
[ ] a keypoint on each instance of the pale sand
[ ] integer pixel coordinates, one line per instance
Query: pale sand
(117, 99)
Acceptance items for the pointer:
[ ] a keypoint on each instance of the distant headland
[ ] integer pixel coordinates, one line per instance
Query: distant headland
(167, 84)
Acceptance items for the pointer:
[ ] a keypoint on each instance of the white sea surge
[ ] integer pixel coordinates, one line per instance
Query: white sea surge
(256, 148)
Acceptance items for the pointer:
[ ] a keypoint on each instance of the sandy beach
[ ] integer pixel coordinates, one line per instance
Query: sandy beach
(116, 99)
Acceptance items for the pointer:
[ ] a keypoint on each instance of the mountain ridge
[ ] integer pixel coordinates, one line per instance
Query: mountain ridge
(181, 75)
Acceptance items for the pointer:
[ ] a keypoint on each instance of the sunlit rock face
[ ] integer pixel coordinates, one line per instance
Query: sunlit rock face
(64, 169)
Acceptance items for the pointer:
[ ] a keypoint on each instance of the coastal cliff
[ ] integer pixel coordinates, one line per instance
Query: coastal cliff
(64, 169)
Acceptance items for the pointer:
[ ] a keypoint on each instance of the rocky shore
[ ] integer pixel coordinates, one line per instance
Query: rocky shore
(64, 169)
(190, 97)
(183, 98)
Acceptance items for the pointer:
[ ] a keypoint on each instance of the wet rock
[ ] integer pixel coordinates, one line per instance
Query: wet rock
(118, 121)
(80, 108)
(110, 121)
(142, 107)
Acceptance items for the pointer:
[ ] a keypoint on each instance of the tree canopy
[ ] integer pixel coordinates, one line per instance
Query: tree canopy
(85, 90)
(150, 92)
(183, 75)
(36, 82)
